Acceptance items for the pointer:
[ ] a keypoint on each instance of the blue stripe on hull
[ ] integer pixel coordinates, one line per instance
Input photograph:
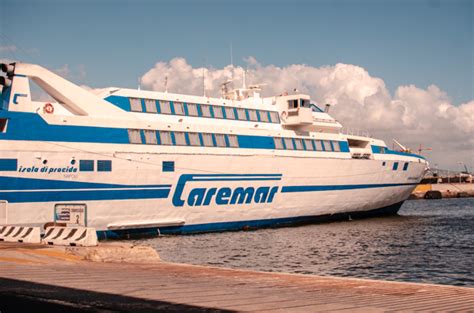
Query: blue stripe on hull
(83, 195)
(306, 188)
(247, 225)
(21, 183)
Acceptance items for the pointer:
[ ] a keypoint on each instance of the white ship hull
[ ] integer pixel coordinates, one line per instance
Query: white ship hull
(81, 169)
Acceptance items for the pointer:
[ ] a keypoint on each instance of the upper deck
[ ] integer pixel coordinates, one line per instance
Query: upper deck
(285, 124)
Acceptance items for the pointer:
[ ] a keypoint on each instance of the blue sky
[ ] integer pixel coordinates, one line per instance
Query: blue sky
(402, 42)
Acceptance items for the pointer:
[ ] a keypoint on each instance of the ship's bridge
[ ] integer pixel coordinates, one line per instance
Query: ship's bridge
(297, 111)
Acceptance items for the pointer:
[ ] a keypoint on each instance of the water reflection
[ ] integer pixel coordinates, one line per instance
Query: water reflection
(430, 241)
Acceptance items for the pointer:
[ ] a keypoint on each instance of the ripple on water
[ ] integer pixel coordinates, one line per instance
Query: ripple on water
(430, 241)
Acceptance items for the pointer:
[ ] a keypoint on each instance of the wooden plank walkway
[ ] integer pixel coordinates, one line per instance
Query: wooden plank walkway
(41, 274)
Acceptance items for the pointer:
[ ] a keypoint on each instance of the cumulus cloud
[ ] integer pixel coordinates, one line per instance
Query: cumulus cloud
(412, 115)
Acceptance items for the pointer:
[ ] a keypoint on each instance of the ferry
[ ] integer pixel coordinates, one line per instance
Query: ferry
(133, 162)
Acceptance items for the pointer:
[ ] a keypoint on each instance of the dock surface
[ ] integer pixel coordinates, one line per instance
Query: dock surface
(54, 279)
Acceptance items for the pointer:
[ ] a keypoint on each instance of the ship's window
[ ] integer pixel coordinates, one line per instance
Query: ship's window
(206, 110)
(194, 139)
(336, 145)
(253, 115)
(217, 112)
(305, 103)
(165, 107)
(241, 114)
(299, 144)
(289, 143)
(405, 166)
(136, 105)
(263, 116)
(382, 149)
(274, 117)
(168, 166)
(165, 138)
(192, 109)
(233, 142)
(178, 108)
(220, 140)
(293, 104)
(150, 137)
(179, 138)
(383, 163)
(86, 165)
(229, 113)
(327, 145)
(3, 125)
(395, 166)
(278, 143)
(319, 145)
(207, 140)
(309, 144)
(134, 136)
(104, 166)
(150, 105)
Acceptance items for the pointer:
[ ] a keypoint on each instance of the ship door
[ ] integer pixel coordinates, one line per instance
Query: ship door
(3, 212)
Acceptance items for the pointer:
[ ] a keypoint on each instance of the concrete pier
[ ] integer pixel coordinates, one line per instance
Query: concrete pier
(120, 277)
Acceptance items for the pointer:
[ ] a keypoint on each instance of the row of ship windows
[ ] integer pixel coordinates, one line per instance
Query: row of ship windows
(395, 165)
(306, 144)
(88, 165)
(173, 138)
(202, 110)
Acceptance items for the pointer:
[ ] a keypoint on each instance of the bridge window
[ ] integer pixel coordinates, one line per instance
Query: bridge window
(309, 144)
(319, 145)
(293, 104)
(405, 166)
(134, 136)
(150, 105)
(336, 146)
(305, 103)
(253, 115)
(194, 139)
(86, 165)
(263, 116)
(289, 143)
(220, 140)
(136, 105)
(150, 137)
(104, 166)
(395, 166)
(165, 107)
(165, 138)
(207, 140)
(180, 138)
(218, 112)
(274, 117)
(299, 144)
(233, 142)
(206, 110)
(178, 108)
(278, 143)
(229, 113)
